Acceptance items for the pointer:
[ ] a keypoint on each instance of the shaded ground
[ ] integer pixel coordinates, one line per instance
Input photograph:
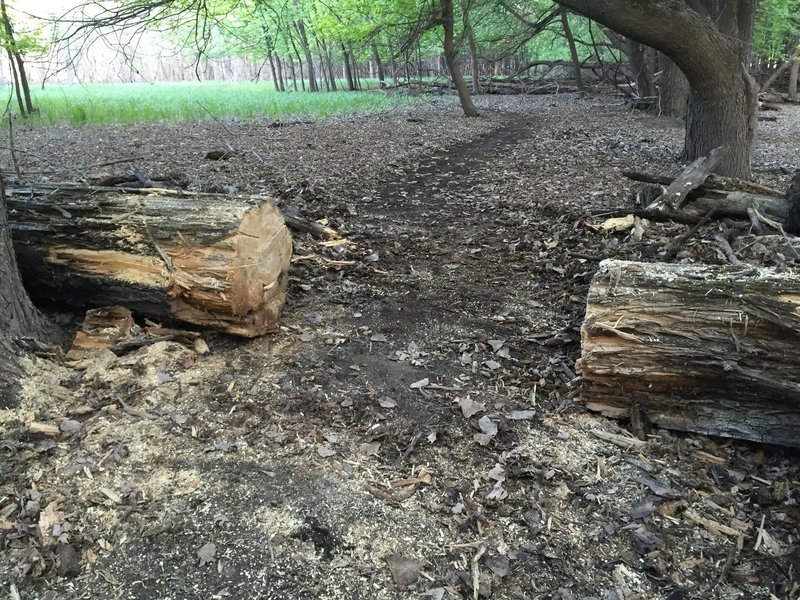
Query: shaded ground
(318, 463)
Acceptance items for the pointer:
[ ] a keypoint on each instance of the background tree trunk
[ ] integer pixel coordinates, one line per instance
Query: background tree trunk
(645, 88)
(451, 57)
(473, 49)
(379, 65)
(793, 72)
(674, 89)
(793, 58)
(573, 51)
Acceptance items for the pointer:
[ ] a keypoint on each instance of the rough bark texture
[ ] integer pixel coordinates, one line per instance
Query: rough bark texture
(18, 317)
(674, 90)
(211, 260)
(723, 97)
(451, 56)
(698, 348)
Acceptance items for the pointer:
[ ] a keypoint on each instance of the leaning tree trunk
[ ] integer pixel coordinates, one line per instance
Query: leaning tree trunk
(19, 319)
(573, 51)
(451, 56)
(723, 100)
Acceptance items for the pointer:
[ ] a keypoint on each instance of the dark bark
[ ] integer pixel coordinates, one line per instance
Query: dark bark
(723, 96)
(19, 319)
(451, 57)
(689, 344)
(279, 65)
(348, 73)
(378, 65)
(473, 49)
(573, 51)
(645, 88)
(329, 65)
(301, 30)
(674, 90)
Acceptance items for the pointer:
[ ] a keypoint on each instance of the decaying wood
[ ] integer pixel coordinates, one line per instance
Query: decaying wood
(692, 177)
(710, 349)
(712, 182)
(213, 260)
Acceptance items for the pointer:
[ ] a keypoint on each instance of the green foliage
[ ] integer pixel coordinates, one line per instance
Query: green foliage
(137, 103)
(777, 28)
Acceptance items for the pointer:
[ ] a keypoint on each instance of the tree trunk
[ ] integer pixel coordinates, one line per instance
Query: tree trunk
(329, 65)
(207, 259)
(348, 73)
(674, 90)
(17, 63)
(473, 49)
(723, 99)
(378, 65)
(279, 65)
(274, 73)
(645, 88)
(699, 348)
(573, 51)
(793, 72)
(451, 57)
(19, 319)
(301, 29)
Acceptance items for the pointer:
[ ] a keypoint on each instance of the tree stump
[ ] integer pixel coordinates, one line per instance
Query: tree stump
(208, 259)
(708, 349)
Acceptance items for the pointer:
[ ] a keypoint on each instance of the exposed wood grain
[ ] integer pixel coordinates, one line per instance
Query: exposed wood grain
(711, 349)
(208, 259)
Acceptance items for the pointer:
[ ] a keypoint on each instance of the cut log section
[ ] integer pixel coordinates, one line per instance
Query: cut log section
(708, 349)
(208, 259)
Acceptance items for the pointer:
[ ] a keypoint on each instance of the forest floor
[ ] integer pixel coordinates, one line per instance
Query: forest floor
(415, 428)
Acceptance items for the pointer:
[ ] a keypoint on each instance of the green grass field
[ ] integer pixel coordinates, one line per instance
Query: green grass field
(141, 102)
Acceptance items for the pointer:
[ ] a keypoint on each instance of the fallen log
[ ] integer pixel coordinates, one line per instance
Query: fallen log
(208, 259)
(708, 349)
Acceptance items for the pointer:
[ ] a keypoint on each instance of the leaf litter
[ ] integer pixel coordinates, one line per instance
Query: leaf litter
(455, 460)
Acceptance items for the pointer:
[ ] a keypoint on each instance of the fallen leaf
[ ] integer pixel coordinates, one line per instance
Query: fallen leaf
(405, 571)
(70, 426)
(387, 402)
(491, 364)
(521, 415)
(470, 407)
(378, 337)
(488, 427)
(206, 553)
(324, 451)
(417, 385)
(370, 449)
(496, 344)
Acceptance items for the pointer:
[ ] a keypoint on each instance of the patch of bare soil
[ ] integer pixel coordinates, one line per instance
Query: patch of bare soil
(415, 429)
